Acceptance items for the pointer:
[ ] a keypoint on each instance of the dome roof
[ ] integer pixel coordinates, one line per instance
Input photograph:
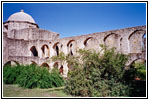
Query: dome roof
(21, 16)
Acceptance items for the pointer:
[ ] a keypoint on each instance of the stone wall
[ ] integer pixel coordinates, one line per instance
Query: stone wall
(36, 45)
(35, 34)
(17, 25)
(127, 40)
(32, 34)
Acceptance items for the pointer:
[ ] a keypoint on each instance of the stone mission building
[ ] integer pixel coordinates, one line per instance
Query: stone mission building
(25, 43)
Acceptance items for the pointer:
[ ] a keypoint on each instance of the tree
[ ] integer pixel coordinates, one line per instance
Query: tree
(96, 73)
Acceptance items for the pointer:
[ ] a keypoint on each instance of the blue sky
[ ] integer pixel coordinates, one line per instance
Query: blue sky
(73, 19)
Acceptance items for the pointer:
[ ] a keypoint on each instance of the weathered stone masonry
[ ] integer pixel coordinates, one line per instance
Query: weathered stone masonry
(25, 43)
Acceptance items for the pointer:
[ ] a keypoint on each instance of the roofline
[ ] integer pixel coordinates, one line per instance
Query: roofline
(22, 22)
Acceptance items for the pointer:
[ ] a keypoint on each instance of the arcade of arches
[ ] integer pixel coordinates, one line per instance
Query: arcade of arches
(25, 43)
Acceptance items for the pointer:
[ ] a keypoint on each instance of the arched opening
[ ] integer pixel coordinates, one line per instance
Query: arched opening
(34, 51)
(91, 43)
(56, 48)
(45, 65)
(71, 47)
(111, 40)
(33, 63)
(55, 65)
(86, 41)
(45, 51)
(61, 70)
(139, 69)
(121, 46)
(135, 41)
(11, 63)
(59, 67)
(143, 43)
(136, 72)
(137, 61)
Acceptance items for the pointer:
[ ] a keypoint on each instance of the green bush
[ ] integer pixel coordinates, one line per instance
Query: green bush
(10, 74)
(31, 76)
(96, 74)
(137, 71)
(100, 76)
(140, 70)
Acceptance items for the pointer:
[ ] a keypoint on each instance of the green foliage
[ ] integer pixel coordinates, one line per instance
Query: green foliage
(137, 70)
(10, 74)
(31, 76)
(140, 70)
(62, 58)
(136, 79)
(97, 74)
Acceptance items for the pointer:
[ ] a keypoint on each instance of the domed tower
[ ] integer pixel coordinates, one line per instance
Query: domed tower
(19, 20)
(23, 39)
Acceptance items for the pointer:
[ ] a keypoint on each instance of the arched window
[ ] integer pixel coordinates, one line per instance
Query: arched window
(34, 51)
(56, 48)
(71, 47)
(45, 51)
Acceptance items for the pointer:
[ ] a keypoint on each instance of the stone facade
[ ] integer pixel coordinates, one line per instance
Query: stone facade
(25, 43)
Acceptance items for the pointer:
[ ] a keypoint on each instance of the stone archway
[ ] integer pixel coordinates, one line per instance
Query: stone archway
(56, 48)
(34, 51)
(135, 41)
(112, 40)
(45, 51)
(59, 67)
(144, 43)
(138, 60)
(61, 70)
(71, 46)
(45, 65)
(11, 63)
(56, 65)
(33, 63)
(91, 43)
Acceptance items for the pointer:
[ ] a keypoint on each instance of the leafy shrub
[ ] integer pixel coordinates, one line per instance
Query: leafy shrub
(10, 74)
(137, 71)
(31, 76)
(140, 70)
(96, 74)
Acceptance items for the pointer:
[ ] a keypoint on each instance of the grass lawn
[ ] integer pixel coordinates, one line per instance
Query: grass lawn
(16, 91)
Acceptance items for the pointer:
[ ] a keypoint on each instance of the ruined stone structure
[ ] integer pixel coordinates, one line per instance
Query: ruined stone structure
(25, 43)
